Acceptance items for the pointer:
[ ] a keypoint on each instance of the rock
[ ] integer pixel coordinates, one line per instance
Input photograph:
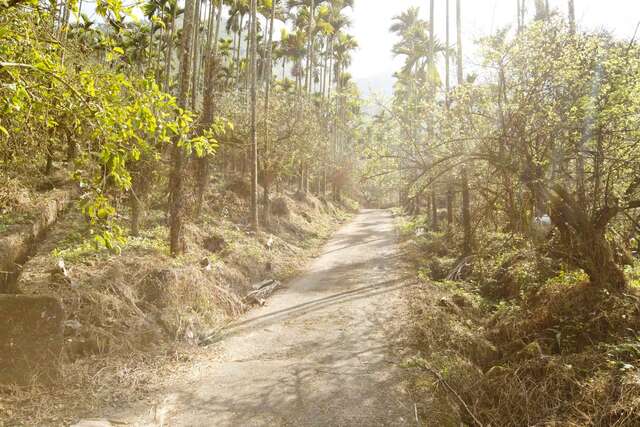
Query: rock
(31, 338)
(60, 273)
(72, 326)
(280, 207)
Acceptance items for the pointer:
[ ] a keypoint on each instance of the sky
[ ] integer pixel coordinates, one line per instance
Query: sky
(373, 64)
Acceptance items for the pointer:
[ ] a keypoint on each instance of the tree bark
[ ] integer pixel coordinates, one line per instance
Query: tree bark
(176, 203)
(447, 69)
(268, 173)
(211, 65)
(467, 247)
(450, 197)
(308, 73)
(466, 196)
(196, 54)
(254, 133)
(459, 41)
(572, 16)
(434, 211)
(584, 242)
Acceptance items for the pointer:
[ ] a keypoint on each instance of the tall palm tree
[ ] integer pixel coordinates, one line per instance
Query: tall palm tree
(417, 46)
(237, 11)
(339, 23)
(308, 12)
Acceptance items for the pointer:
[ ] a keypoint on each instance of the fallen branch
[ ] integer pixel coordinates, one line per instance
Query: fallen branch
(452, 391)
(456, 273)
(262, 291)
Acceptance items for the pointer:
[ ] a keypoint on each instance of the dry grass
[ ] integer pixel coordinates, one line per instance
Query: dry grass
(553, 353)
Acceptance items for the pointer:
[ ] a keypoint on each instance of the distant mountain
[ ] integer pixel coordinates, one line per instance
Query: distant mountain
(378, 85)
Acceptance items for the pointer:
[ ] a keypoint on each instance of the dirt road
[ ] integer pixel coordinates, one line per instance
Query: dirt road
(320, 353)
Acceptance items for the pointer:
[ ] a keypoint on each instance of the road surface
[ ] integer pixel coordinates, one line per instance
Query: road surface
(320, 353)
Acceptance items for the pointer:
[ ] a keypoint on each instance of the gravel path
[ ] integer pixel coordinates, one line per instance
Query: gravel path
(320, 353)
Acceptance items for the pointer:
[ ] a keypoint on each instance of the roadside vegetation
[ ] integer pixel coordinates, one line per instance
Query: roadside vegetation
(520, 200)
(156, 161)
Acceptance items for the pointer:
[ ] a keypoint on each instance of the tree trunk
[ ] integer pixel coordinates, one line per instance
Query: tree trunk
(459, 41)
(169, 55)
(450, 197)
(584, 242)
(466, 196)
(572, 17)
(176, 203)
(196, 59)
(239, 47)
(466, 214)
(308, 72)
(211, 65)
(434, 211)
(254, 134)
(268, 173)
(447, 70)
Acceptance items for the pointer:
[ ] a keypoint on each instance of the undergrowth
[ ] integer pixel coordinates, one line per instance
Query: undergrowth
(521, 338)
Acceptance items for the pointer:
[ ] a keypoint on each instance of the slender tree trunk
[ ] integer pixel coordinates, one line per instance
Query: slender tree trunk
(211, 65)
(466, 196)
(196, 54)
(176, 190)
(519, 14)
(459, 41)
(466, 214)
(254, 134)
(572, 16)
(239, 48)
(434, 210)
(268, 172)
(450, 197)
(169, 55)
(247, 57)
(307, 80)
(447, 68)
